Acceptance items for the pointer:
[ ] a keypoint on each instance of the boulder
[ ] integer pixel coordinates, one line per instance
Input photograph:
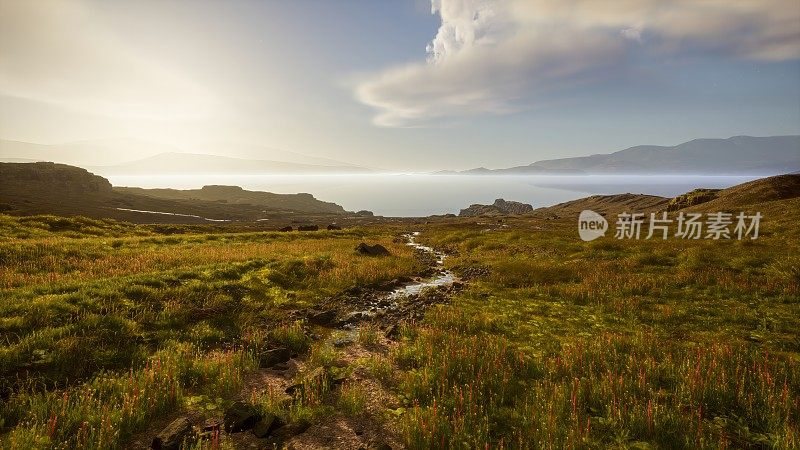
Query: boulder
(240, 417)
(372, 250)
(308, 228)
(173, 435)
(275, 356)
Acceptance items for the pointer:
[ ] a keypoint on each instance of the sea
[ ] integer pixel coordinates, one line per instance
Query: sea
(417, 195)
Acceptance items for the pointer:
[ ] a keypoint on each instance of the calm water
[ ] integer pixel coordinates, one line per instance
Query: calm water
(422, 195)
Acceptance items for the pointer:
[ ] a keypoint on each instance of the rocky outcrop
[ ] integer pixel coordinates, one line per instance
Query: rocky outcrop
(692, 198)
(500, 207)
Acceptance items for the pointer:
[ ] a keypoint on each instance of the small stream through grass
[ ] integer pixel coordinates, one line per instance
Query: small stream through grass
(390, 301)
(443, 276)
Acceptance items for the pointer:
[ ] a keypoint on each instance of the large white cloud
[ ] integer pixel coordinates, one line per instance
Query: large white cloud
(497, 56)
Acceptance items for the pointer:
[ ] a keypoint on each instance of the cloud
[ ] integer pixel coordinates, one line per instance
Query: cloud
(500, 56)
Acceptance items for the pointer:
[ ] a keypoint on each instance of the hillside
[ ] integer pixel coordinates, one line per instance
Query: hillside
(761, 191)
(235, 195)
(605, 204)
(49, 188)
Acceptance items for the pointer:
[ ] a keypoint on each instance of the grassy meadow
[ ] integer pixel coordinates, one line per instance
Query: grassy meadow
(107, 325)
(610, 344)
(553, 342)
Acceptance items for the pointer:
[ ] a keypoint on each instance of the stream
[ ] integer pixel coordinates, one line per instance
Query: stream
(443, 276)
(390, 301)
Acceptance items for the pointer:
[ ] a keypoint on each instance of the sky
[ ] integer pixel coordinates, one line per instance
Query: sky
(398, 85)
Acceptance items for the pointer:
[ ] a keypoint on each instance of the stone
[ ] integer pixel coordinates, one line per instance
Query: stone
(343, 342)
(287, 431)
(393, 332)
(211, 425)
(294, 388)
(323, 318)
(354, 317)
(275, 356)
(267, 425)
(281, 366)
(173, 435)
(240, 417)
(372, 250)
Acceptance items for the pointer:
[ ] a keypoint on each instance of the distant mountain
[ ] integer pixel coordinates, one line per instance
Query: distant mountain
(191, 163)
(49, 188)
(80, 153)
(123, 156)
(736, 155)
(261, 152)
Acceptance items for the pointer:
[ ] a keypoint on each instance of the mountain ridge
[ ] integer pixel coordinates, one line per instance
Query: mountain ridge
(770, 155)
(104, 156)
(199, 163)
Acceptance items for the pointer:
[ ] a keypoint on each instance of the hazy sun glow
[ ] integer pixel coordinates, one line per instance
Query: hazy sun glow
(402, 86)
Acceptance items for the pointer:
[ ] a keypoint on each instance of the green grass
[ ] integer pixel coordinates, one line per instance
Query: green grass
(624, 344)
(91, 324)
(108, 326)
